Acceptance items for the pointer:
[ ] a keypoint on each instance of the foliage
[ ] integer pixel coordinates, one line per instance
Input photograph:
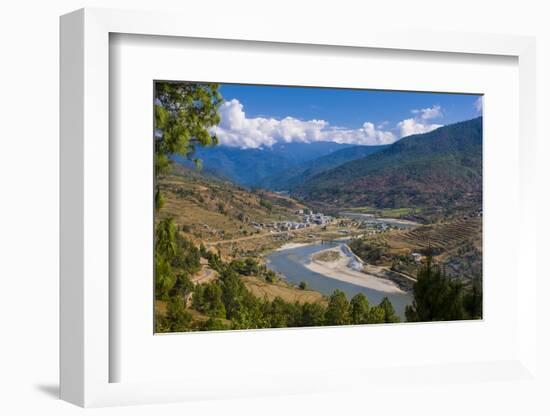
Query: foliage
(187, 256)
(247, 267)
(202, 251)
(439, 298)
(270, 276)
(184, 113)
(473, 300)
(389, 312)
(213, 324)
(312, 314)
(176, 258)
(280, 314)
(377, 315)
(207, 298)
(338, 312)
(266, 204)
(183, 287)
(178, 317)
(165, 252)
(165, 242)
(302, 285)
(359, 309)
(371, 251)
(159, 200)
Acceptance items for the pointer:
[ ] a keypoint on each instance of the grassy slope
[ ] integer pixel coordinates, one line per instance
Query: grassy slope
(262, 289)
(208, 209)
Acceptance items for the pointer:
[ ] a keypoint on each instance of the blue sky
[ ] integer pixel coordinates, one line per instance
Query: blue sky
(257, 116)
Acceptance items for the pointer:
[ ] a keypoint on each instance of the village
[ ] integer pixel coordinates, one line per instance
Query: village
(308, 219)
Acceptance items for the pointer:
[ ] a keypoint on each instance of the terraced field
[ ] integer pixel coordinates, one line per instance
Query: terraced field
(440, 237)
(207, 209)
(456, 245)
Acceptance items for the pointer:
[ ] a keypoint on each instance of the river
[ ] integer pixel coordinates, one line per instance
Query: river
(291, 263)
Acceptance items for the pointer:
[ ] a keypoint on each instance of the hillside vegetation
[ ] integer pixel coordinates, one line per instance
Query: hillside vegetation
(252, 167)
(295, 176)
(456, 245)
(209, 210)
(442, 168)
(214, 227)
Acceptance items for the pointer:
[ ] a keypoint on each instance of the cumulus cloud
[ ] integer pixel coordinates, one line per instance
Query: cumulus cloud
(367, 134)
(414, 126)
(237, 130)
(419, 124)
(428, 113)
(478, 104)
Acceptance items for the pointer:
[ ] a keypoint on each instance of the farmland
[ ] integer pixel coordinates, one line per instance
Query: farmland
(440, 237)
(386, 212)
(455, 244)
(211, 210)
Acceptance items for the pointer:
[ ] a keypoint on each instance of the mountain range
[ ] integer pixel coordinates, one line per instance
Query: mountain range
(439, 168)
(293, 177)
(253, 167)
(435, 169)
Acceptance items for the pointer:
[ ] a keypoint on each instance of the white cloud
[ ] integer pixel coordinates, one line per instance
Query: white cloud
(428, 113)
(368, 134)
(237, 130)
(419, 124)
(415, 126)
(478, 104)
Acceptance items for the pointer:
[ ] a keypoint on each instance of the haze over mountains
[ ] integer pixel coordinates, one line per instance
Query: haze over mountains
(251, 167)
(439, 168)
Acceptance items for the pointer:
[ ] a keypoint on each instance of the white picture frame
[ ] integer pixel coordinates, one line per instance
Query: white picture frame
(86, 356)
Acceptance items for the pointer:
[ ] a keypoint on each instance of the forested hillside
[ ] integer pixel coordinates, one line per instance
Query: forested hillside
(440, 168)
(295, 176)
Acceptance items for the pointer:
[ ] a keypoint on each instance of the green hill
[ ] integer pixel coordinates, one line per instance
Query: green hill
(442, 168)
(249, 167)
(293, 177)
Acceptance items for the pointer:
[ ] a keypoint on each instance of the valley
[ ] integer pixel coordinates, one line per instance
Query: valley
(303, 247)
(284, 235)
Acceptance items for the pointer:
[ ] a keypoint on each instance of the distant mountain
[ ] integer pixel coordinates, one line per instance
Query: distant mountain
(294, 176)
(441, 168)
(250, 167)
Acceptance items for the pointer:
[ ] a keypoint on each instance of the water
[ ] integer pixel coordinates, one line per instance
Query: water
(291, 263)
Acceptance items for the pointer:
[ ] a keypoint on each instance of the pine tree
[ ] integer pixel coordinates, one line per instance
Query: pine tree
(338, 311)
(436, 297)
(359, 309)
